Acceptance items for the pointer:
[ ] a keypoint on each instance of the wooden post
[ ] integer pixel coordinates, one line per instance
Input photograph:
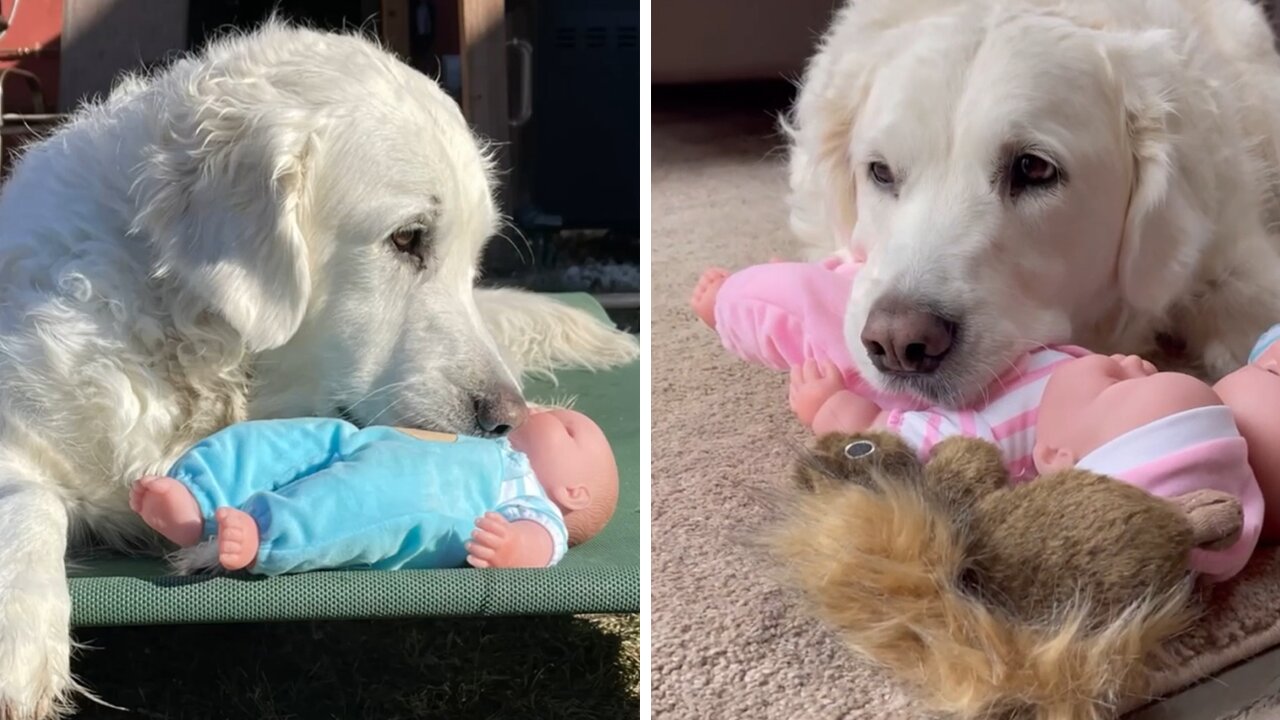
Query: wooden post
(482, 29)
(395, 26)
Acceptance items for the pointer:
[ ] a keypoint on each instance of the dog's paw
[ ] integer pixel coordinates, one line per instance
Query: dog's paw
(35, 653)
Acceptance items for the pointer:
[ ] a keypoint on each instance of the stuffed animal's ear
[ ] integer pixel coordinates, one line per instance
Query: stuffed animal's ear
(1165, 231)
(223, 198)
(1216, 518)
(961, 471)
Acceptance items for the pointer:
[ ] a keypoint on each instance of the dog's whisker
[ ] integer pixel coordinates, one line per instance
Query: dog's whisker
(508, 223)
(369, 395)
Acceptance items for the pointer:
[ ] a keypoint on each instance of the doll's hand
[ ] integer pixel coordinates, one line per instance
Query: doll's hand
(812, 384)
(1134, 365)
(500, 543)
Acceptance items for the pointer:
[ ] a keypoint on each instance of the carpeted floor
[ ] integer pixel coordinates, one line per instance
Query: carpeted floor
(726, 642)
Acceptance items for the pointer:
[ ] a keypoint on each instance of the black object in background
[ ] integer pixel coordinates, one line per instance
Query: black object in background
(205, 19)
(580, 144)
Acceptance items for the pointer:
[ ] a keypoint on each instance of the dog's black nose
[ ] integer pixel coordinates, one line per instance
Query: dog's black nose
(500, 410)
(902, 338)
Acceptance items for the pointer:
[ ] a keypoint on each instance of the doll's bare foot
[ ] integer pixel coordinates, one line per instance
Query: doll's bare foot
(1216, 518)
(237, 538)
(168, 508)
(705, 292)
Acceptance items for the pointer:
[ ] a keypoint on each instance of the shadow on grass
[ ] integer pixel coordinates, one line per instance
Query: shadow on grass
(545, 667)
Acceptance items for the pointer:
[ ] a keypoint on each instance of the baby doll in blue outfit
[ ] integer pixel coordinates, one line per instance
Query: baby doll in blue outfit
(285, 496)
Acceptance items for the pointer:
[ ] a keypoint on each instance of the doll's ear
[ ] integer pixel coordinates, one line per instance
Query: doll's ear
(1050, 459)
(573, 497)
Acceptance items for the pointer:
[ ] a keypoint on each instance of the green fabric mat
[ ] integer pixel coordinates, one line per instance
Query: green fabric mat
(602, 575)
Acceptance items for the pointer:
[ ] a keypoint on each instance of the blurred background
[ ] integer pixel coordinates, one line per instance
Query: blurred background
(553, 83)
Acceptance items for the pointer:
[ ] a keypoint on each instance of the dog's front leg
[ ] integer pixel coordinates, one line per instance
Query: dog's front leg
(35, 605)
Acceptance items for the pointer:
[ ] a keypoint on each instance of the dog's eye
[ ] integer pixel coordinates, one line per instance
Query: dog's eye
(410, 240)
(1029, 171)
(881, 174)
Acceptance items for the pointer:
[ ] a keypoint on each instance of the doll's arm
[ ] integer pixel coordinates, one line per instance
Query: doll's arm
(845, 412)
(820, 401)
(781, 314)
(527, 507)
(500, 543)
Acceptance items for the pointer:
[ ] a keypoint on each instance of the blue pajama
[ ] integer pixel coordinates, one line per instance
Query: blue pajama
(1265, 341)
(326, 494)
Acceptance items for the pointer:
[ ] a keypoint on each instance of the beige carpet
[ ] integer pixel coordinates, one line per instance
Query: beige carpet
(726, 643)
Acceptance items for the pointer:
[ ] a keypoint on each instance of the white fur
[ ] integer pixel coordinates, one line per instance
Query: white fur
(211, 244)
(1165, 115)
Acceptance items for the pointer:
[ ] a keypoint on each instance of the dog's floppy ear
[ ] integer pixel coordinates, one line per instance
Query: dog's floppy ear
(822, 199)
(1165, 230)
(223, 193)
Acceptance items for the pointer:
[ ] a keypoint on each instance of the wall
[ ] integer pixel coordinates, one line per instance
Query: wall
(102, 37)
(715, 40)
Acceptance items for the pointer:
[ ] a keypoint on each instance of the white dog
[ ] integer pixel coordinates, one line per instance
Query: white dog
(286, 224)
(1021, 172)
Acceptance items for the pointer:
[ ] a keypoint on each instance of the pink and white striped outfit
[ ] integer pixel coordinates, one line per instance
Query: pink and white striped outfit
(1006, 417)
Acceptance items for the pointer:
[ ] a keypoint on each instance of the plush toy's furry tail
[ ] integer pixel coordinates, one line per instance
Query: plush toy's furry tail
(885, 569)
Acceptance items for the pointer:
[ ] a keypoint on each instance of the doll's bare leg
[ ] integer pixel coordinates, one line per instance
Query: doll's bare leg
(705, 292)
(168, 508)
(237, 538)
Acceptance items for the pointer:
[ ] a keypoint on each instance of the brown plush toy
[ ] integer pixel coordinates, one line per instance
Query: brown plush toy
(1043, 600)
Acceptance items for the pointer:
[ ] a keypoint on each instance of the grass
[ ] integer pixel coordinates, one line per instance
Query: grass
(576, 668)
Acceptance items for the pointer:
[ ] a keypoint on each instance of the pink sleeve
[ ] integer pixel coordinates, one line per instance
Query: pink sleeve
(781, 314)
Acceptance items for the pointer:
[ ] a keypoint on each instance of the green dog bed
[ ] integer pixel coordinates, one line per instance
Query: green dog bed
(599, 576)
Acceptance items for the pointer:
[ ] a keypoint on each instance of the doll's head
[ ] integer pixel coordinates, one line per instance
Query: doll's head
(1253, 394)
(575, 465)
(1253, 391)
(1094, 399)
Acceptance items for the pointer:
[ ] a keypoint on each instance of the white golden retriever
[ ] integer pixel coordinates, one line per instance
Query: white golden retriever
(285, 224)
(1020, 172)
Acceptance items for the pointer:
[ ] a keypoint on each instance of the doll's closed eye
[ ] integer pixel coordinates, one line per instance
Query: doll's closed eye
(859, 449)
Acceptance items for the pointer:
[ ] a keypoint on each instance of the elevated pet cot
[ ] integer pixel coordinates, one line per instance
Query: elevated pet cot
(602, 575)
